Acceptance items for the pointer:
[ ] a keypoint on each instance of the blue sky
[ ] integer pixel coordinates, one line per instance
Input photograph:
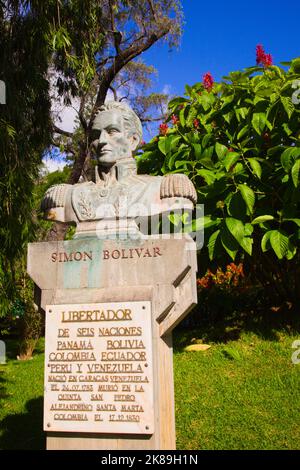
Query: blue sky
(220, 36)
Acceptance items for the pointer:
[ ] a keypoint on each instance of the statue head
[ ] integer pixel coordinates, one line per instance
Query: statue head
(116, 133)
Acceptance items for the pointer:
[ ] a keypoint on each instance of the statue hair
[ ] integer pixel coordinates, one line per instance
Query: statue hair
(132, 122)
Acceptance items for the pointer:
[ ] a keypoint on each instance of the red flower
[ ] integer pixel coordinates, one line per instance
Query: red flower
(196, 123)
(262, 58)
(143, 143)
(208, 81)
(260, 54)
(268, 60)
(163, 129)
(174, 119)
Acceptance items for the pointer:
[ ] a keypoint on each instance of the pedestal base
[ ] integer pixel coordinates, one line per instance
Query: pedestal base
(88, 271)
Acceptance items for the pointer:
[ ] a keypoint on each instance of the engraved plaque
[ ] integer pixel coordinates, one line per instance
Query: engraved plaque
(98, 368)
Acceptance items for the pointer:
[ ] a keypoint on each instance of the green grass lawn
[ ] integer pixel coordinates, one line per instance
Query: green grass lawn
(239, 394)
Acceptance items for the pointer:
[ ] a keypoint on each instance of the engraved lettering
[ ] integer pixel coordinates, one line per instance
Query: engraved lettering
(157, 252)
(63, 257)
(116, 254)
(130, 253)
(63, 333)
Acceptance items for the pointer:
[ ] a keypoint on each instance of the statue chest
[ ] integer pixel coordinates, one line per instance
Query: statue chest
(131, 197)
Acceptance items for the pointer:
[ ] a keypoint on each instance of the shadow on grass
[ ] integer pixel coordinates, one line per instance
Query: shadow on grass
(224, 323)
(24, 431)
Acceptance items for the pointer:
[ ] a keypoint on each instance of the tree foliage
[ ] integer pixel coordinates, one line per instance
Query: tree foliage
(239, 143)
(25, 131)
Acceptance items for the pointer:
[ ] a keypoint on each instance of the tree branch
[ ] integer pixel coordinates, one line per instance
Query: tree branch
(120, 61)
(78, 164)
(117, 35)
(114, 92)
(81, 112)
(152, 9)
(161, 118)
(57, 130)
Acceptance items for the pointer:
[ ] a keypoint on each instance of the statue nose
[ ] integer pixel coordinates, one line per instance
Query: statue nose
(103, 138)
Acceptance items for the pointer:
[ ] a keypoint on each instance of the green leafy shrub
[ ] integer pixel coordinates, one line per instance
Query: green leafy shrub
(239, 143)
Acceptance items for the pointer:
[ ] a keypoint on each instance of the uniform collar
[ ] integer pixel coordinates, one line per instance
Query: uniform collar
(121, 170)
(125, 168)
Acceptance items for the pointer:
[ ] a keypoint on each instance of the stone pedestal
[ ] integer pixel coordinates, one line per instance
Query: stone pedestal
(154, 281)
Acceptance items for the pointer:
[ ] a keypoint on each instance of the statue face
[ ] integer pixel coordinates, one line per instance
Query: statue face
(111, 142)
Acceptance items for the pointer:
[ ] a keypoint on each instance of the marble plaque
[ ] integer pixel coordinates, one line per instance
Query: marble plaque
(98, 368)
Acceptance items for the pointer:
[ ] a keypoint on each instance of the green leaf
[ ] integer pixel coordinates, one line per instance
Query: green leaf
(206, 140)
(230, 160)
(197, 150)
(248, 196)
(236, 228)
(181, 163)
(182, 117)
(288, 157)
(265, 242)
(241, 113)
(285, 179)
(286, 129)
(288, 105)
(177, 101)
(211, 245)
(237, 207)
(261, 219)
(259, 122)
(247, 244)
(295, 173)
(208, 221)
(208, 152)
(173, 158)
(256, 167)
(188, 90)
(295, 65)
(279, 242)
(206, 99)
(248, 229)
(208, 175)
(285, 159)
(238, 168)
(242, 132)
(164, 145)
(221, 150)
(229, 243)
(174, 141)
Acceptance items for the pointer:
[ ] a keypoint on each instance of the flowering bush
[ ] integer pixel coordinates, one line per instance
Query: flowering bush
(232, 276)
(239, 143)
